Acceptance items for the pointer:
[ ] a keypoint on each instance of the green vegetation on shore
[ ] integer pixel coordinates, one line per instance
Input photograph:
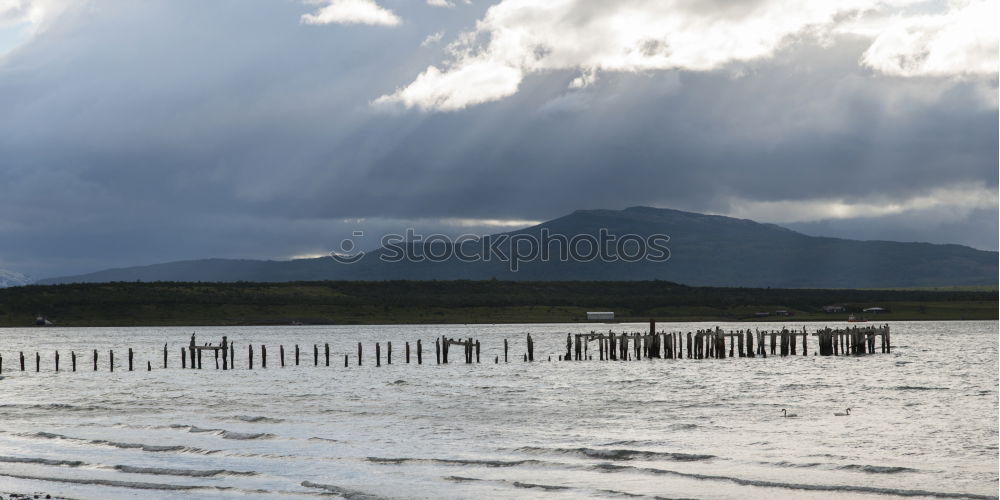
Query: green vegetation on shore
(382, 302)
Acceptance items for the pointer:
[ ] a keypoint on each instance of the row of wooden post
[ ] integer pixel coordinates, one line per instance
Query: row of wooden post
(702, 344)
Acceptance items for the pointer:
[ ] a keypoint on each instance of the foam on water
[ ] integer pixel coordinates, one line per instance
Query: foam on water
(923, 424)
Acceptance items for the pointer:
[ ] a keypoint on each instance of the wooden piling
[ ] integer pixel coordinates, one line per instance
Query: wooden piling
(111, 360)
(388, 353)
(437, 351)
(38, 361)
(315, 355)
(164, 356)
(504, 350)
(407, 353)
(296, 355)
(72, 357)
(149, 366)
(130, 356)
(359, 353)
(378, 354)
(346, 357)
(477, 351)
(57, 361)
(326, 353)
(250, 356)
(95, 361)
(281, 354)
(263, 356)
(420, 352)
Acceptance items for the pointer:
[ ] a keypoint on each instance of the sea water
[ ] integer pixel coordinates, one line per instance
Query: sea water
(923, 421)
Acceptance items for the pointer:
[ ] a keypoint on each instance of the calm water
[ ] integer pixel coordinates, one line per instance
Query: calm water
(924, 419)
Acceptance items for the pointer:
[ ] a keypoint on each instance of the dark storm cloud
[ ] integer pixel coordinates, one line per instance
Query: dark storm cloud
(139, 132)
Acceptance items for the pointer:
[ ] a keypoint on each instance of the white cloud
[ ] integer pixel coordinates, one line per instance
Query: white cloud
(518, 37)
(350, 12)
(440, 3)
(961, 41)
(958, 200)
(432, 39)
(498, 223)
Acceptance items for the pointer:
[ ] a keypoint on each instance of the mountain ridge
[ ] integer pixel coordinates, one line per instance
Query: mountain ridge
(705, 250)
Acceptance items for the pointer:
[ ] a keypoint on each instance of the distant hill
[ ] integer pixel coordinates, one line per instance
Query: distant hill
(705, 250)
(10, 278)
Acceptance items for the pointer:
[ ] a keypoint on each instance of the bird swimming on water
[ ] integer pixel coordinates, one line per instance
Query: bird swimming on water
(784, 413)
(847, 414)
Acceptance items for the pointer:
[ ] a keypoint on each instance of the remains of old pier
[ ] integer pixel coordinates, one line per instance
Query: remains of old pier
(713, 343)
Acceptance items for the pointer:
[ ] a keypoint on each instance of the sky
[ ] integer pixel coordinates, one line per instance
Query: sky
(142, 132)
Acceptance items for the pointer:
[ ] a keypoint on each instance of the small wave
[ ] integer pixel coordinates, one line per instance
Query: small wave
(108, 482)
(450, 461)
(547, 487)
(224, 434)
(620, 454)
(607, 467)
(52, 407)
(460, 479)
(163, 471)
(918, 388)
(42, 461)
(877, 469)
(342, 492)
(140, 446)
(328, 440)
(258, 419)
(398, 382)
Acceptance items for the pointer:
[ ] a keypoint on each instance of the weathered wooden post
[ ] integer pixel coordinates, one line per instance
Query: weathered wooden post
(888, 339)
(281, 354)
(296, 355)
(437, 350)
(791, 341)
(420, 352)
(191, 350)
(130, 355)
(315, 354)
(805, 343)
(326, 353)
(739, 337)
(164, 355)
(149, 366)
(388, 353)
(378, 354)
(199, 358)
(345, 360)
(38, 361)
(225, 353)
(250, 356)
(232, 356)
(95, 361)
(72, 357)
(216, 353)
(531, 348)
(359, 353)
(263, 356)
(407, 352)
(111, 359)
(477, 350)
(569, 346)
(57, 361)
(504, 350)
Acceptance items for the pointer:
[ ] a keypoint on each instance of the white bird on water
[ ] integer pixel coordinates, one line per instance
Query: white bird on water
(846, 414)
(784, 413)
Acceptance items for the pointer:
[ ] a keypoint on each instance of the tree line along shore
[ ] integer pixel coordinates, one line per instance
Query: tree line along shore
(417, 302)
